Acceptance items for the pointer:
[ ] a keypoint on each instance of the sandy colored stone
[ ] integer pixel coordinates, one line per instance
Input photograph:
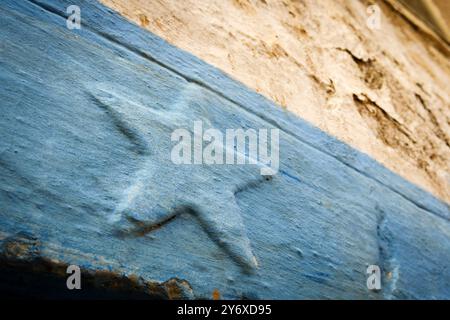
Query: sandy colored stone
(384, 91)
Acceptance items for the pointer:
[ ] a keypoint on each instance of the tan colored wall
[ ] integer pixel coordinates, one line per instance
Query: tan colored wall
(385, 92)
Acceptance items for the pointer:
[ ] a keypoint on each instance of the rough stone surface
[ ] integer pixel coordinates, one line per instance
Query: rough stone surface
(86, 179)
(315, 58)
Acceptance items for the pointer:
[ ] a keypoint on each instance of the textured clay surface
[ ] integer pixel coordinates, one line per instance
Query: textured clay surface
(384, 91)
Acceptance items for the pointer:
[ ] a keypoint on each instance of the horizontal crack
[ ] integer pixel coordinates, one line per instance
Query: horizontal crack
(26, 273)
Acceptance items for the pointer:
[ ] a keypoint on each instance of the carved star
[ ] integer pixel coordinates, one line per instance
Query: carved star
(161, 190)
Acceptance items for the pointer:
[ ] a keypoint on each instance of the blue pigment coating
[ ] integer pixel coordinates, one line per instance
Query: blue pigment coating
(85, 124)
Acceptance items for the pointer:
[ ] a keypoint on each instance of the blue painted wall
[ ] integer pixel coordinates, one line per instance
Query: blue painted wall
(86, 117)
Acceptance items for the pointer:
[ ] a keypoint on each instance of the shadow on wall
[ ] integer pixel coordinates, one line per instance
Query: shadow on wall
(435, 13)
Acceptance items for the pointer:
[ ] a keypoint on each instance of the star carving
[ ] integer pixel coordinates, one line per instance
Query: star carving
(161, 190)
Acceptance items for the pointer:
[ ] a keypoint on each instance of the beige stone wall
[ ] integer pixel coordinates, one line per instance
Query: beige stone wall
(384, 91)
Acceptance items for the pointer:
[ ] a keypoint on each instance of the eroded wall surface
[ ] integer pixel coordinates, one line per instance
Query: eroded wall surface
(384, 91)
(86, 179)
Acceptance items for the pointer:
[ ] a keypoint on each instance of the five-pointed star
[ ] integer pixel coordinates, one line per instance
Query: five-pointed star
(161, 189)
